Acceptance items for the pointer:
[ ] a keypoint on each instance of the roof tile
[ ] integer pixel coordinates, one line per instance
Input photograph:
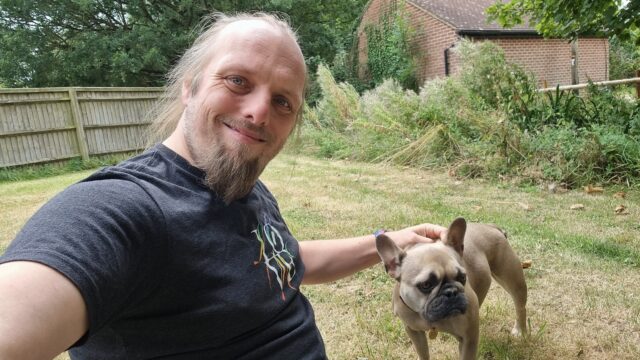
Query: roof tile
(464, 14)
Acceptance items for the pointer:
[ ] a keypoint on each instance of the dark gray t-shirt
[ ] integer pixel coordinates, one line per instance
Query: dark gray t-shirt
(167, 270)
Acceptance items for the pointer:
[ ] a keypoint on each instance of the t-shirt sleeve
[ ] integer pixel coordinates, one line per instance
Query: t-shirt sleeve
(106, 236)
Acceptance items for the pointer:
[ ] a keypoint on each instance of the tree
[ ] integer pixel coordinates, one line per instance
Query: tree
(624, 59)
(135, 42)
(570, 18)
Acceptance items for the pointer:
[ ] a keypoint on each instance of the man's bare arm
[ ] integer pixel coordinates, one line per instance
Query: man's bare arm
(329, 260)
(42, 313)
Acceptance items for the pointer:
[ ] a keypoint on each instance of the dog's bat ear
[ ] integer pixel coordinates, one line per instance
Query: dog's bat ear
(455, 235)
(390, 254)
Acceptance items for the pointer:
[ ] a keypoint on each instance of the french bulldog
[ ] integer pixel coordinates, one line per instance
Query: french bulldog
(441, 285)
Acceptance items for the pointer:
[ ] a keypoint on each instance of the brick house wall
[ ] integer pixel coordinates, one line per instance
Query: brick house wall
(593, 59)
(432, 37)
(548, 59)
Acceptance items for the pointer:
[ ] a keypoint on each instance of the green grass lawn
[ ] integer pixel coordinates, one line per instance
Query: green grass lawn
(584, 285)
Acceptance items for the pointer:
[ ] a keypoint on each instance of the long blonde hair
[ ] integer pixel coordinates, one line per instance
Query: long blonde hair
(166, 112)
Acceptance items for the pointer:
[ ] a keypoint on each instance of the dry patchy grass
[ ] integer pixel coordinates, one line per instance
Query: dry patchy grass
(584, 286)
(19, 200)
(584, 292)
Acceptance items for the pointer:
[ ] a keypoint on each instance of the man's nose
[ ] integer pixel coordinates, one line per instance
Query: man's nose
(257, 107)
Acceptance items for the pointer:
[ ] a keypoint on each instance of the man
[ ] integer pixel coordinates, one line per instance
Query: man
(181, 252)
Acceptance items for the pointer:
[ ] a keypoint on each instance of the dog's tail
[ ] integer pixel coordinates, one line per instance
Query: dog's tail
(504, 233)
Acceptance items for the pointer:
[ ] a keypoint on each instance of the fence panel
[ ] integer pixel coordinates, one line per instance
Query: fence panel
(43, 125)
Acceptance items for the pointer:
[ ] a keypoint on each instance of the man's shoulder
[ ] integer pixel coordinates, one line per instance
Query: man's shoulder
(157, 167)
(151, 162)
(262, 192)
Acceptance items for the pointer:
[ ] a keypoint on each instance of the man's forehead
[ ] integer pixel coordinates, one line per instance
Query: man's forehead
(250, 25)
(251, 29)
(240, 41)
(259, 33)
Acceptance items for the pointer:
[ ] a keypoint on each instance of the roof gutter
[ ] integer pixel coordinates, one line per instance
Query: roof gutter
(511, 33)
(492, 33)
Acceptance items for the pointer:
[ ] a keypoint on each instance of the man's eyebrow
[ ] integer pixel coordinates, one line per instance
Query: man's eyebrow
(241, 68)
(290, 94)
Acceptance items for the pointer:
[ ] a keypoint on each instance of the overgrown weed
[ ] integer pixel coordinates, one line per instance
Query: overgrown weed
(486, 121)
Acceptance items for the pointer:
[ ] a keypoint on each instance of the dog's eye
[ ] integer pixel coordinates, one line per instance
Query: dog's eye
(426, 286)
(461, 278)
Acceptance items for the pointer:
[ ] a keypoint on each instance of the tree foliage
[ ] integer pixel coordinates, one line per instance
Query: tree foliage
(570, 18)
(134, 42)
(624, 59)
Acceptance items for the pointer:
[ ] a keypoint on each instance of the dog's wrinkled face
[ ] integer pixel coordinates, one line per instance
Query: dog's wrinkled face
(432, 283)
(431, 277)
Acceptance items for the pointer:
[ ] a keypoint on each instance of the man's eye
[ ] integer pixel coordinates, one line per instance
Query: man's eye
(236, 80)
(283, 103)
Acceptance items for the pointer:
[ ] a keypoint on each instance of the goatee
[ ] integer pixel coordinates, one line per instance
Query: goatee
(231, 176)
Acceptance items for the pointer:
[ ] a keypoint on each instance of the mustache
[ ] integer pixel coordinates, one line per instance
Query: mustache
(239, 123)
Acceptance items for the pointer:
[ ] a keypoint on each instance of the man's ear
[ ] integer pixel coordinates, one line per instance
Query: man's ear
(455, 235)
(186, 94)
(390, 254)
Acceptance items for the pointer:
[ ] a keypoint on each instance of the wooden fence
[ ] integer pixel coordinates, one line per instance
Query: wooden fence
(635, 80)
(45, 125)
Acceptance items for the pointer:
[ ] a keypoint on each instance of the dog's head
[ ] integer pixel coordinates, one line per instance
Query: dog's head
(431, 276)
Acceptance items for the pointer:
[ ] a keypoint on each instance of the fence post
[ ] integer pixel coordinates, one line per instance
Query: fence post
(77, 121)
(638, 84)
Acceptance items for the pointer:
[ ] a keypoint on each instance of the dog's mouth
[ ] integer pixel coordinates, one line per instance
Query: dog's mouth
(443, 307)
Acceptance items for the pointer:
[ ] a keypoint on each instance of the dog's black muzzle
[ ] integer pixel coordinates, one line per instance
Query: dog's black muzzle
(450, 301)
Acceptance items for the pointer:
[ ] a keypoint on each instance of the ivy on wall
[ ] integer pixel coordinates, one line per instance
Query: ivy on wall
(389, 53)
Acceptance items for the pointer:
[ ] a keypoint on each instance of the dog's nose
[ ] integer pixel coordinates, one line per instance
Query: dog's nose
(450, 292)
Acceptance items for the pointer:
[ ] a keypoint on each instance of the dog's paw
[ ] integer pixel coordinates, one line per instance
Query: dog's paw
(517, 332)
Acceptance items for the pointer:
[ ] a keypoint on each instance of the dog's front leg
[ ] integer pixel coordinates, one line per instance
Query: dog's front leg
(419, 340)
(468, 347)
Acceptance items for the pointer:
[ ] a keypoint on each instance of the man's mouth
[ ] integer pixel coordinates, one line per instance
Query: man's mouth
(246, 133)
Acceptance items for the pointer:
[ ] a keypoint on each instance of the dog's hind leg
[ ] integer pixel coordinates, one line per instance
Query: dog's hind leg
(519, 296)
(419, 340)
(512, 280)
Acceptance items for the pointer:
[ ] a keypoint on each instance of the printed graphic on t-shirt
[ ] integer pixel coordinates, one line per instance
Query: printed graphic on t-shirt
(275, 256)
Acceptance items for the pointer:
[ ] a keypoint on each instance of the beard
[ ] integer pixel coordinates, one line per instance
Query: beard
(230, 173)
(231, 176)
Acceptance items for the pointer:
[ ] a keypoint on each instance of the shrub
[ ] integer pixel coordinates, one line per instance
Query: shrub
(488, 121)
(607, 108)
(624, 58)
(339, 104)
(620, 154)
(499, 84)
(565, 154)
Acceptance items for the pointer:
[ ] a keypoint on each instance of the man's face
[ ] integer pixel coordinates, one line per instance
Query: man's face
(245, 106)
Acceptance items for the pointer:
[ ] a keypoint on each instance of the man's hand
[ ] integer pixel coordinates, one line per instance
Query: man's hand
(423, 233)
